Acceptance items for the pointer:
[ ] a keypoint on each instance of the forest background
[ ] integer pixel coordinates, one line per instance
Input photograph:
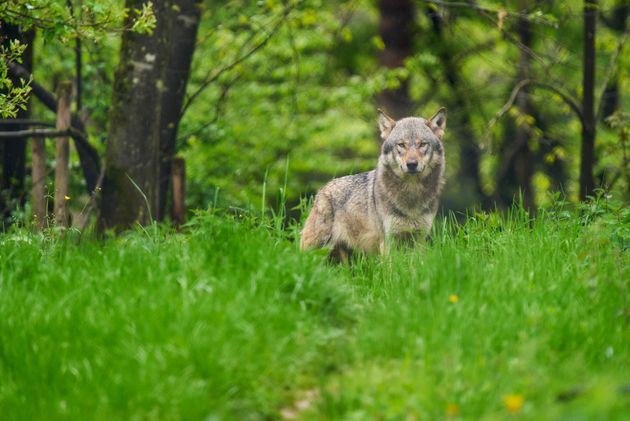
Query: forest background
(282, 96)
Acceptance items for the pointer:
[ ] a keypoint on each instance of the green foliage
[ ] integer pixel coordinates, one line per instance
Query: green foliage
(57, 25)
(91, 19)
(12, 96)
(617, 151)
(144, 21)
(261, 111)
(295, 81)
(229, 320)
(322, 61)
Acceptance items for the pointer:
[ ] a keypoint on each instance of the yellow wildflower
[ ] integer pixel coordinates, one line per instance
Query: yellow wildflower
(452, 409)
(513, 402)
(453, 298)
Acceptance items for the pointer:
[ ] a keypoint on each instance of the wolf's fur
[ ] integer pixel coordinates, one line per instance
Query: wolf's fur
(364, 211)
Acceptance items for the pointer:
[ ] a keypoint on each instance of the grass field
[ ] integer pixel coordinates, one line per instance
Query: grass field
(499, 317)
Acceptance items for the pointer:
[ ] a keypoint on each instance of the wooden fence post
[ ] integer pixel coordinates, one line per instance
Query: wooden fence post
(62, 154)
(38, 189)
(178, 174)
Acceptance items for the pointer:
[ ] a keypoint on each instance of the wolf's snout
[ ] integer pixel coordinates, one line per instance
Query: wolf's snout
(412, 165)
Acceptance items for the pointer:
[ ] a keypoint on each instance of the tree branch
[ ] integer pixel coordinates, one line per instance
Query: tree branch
(473, 6)
(47, 98)
(71, 132)
(464, 5)
(33, 133)
(498, 22)
(225, 88)
(24, 122)
(485, 45)
(46, 23)
(213, 77)
(566, 98)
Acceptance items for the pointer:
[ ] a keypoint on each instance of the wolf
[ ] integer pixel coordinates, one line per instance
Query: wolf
(396, 200)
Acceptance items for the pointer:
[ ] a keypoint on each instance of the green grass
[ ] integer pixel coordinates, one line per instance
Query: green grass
(230, 321)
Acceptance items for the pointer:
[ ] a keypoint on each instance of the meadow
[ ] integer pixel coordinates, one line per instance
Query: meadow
(500, 316)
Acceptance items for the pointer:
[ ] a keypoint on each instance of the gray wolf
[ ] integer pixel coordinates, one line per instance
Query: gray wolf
(397, 200)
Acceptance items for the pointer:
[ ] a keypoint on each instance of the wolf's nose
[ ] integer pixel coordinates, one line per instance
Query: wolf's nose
(412, 165)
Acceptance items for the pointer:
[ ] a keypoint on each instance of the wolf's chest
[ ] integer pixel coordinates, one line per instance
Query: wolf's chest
(412, 220)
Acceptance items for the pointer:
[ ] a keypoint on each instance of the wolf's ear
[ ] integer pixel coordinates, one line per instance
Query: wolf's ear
(437, 123)
(385, 124)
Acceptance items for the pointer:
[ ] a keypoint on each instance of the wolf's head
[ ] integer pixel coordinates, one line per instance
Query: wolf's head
(413, 145)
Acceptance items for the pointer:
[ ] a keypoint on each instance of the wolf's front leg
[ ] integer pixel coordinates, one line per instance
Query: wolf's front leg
(340, 254)
(385, 245)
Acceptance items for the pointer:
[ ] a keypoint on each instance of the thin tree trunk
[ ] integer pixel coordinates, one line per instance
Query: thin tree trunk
(62, 155)
(12, 191)
(518, 177)
(396, 28)
(184, 21)
(587, 183)
(78, 66)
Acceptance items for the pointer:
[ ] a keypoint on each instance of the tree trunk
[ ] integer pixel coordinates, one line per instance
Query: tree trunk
(397, 31)
(587, 183)
(520, 169)
(179, 48)
(12, 193)
(130, 186)
(148, 92)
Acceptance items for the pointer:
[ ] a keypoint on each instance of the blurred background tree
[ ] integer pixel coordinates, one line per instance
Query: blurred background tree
(282, 95)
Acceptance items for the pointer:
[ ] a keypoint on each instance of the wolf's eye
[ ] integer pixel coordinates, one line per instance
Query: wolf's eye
(424, 144)
(402, 145)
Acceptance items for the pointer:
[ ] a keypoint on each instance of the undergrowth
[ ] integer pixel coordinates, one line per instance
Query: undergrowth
(502, 314)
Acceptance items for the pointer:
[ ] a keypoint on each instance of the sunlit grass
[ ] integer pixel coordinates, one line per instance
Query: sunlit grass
(500, 316)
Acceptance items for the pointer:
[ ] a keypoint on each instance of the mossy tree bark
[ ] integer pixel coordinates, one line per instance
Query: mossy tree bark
(148, 91)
